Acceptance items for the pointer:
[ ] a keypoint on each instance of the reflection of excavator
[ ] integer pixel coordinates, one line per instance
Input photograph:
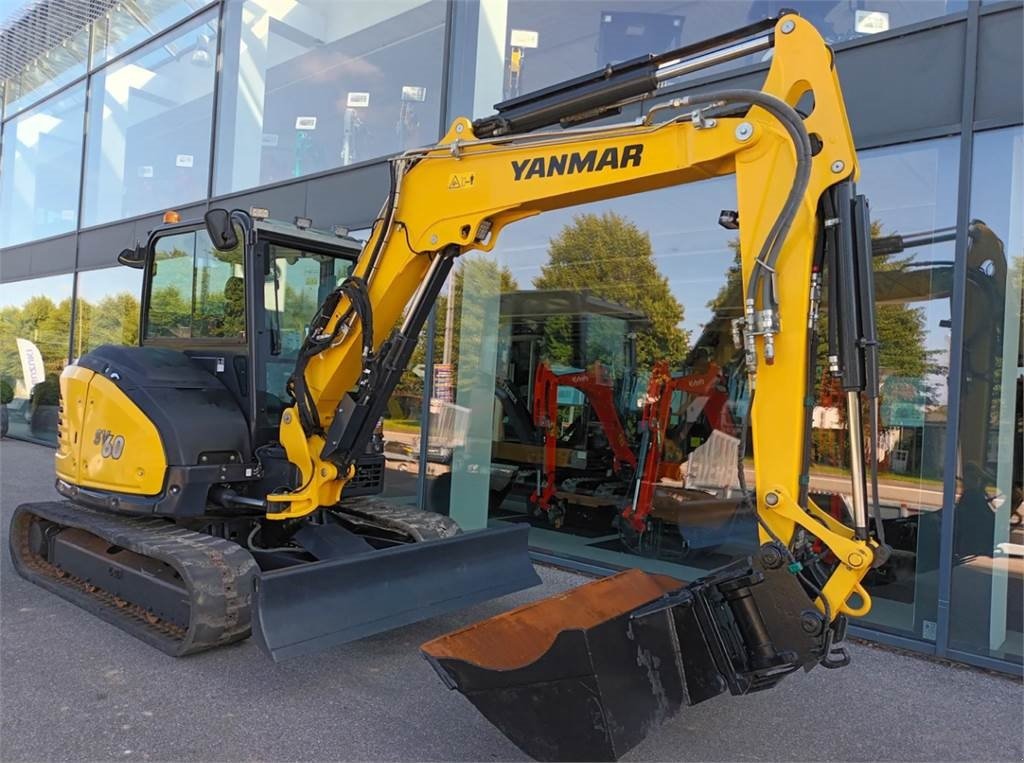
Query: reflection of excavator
(152, 444)
(705, 388)
(596, 384)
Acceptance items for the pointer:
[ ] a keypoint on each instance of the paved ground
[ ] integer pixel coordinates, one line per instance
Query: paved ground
(73, 688)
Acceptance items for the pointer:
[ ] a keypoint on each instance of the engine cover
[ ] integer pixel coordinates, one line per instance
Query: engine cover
(146, 430)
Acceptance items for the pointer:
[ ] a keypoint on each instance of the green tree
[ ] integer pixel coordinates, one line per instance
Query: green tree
(608, 256)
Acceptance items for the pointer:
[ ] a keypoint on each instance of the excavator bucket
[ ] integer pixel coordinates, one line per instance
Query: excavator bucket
(587, 674)
(307, 608)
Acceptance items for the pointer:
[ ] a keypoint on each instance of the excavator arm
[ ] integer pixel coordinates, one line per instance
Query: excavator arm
(456, 197)
(585, 675)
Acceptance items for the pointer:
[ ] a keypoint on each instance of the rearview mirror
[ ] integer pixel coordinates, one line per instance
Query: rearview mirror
(133, 258)
(221, 231)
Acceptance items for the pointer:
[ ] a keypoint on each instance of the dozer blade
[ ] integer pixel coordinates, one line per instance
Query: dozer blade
(310, 607)
(587, 674)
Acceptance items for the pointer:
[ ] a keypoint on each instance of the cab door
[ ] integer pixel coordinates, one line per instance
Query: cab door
(196, 301)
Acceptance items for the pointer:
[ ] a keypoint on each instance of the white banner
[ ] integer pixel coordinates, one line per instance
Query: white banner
(32, 369)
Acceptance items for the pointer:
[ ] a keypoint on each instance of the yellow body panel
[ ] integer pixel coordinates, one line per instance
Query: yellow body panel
(105, 441)
(74, 390)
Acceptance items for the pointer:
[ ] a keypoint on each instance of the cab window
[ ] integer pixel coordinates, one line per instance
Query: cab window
(296, 283)
(196, 291)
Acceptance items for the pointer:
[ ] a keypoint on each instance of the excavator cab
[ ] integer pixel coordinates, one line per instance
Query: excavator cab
(235, 292)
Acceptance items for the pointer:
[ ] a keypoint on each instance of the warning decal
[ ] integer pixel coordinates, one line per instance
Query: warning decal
(460, 181)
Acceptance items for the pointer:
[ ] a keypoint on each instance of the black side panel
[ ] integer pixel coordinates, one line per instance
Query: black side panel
(194, 413)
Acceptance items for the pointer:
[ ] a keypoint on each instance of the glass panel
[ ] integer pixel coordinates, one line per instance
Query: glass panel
(106, 308)
(988, 545)
(149, 126)
(48, 72)
(524, 45)
(401, 432)
(309, 86)
(197, 292)
(35, 321)
(912, 190)
(128, 24)
(589, 333)
(584, 330)
(39, 175)
(297, 284)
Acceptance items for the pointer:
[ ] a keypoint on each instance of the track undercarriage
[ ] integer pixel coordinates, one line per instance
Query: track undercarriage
(186, 590)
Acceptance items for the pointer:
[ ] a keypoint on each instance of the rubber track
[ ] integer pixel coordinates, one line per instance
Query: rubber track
(218, 574)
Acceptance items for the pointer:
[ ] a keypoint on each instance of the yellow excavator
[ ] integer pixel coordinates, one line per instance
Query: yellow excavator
(219, 478)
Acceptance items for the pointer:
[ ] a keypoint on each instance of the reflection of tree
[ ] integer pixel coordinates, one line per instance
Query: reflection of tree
(112, 320)
(41, 321)
(611, 258)
(901, 328)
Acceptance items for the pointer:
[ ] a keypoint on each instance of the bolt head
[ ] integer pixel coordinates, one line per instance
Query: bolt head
(788, 26)
(772, 499)
(459, 127)
(287, 418)
(838, 166)
(771, 556)
(744, 130)
(855, 560)
(433, 239)
(811, 622)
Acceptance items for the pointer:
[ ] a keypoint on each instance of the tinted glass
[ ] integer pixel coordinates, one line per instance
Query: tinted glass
(604, 331)
(149, 126)
(106, 308)
(298, 282)
(912, 192)
(128, 24)
(48, 72)
(310, 86)
(196, 292)
(524, 45)
(42, 155)
(586, 331)
(988, 544)
(35, 323)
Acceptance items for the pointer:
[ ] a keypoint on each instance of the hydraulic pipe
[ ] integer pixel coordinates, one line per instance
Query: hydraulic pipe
(860, 503)
(604, 91)
(674, 69)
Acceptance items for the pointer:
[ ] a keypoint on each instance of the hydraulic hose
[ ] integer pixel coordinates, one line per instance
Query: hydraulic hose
(794, 126)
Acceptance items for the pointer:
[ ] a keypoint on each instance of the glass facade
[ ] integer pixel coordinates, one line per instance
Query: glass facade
(583, 330)
(912, 191)
(311, 86)
(128, 24)
(988, 541)
(587, 334)
(40, 168)
(150, 118)
(106, 308)
(35, 329)
(48, 72)
(524, 45)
